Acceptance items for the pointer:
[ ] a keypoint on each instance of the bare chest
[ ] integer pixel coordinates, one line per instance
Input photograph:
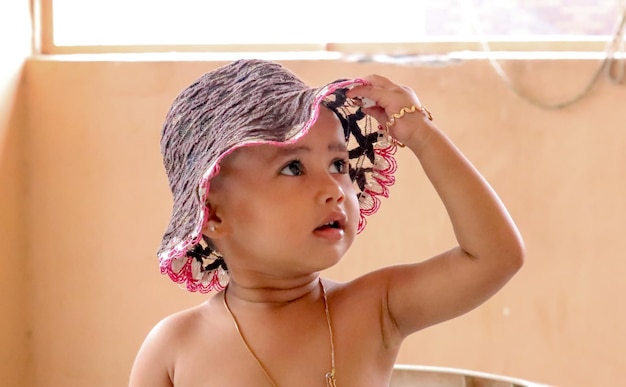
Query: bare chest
(289, 358)
(289, 351)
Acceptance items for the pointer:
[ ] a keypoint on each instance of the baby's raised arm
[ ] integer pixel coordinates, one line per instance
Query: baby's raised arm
(490, 249)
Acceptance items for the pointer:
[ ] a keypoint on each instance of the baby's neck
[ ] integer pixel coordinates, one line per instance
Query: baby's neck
(274, 293)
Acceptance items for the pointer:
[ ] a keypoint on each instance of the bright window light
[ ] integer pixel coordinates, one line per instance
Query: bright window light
(162, 22)
(224, 22)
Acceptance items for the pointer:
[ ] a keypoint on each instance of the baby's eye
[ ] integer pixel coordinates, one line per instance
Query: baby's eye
(294, 168)
(339, 166)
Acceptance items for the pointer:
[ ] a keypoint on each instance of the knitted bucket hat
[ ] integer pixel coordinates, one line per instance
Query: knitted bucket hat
(246, 103)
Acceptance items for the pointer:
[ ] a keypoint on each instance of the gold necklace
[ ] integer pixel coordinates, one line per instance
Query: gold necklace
(330, 376)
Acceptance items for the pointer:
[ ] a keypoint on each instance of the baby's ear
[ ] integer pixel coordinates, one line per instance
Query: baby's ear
(213, 227)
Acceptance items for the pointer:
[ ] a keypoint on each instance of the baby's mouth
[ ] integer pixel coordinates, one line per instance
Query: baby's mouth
(334, 224)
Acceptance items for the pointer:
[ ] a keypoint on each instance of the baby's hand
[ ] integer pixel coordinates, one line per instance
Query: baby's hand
(391, 105)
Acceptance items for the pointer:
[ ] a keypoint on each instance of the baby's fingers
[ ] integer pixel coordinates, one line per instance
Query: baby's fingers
(378, 80)
(384, 93)
(378, 113)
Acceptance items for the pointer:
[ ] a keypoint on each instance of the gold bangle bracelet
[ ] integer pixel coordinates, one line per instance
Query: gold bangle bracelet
(411, 109)
(397, 116)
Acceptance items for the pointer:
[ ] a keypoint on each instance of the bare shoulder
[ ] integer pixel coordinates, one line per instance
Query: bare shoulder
(156, 360)
(363, 303)
(368, 292)
(368, 286)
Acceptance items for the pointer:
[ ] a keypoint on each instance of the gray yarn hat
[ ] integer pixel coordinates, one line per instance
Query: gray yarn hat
(245, 103)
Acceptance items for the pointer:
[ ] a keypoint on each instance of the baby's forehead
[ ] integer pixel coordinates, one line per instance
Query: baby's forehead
(266, 153)
(257, 153)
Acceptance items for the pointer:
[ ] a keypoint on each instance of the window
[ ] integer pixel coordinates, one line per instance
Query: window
(242, 25)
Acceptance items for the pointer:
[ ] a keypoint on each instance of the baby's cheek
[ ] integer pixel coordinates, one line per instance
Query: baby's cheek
(352, 207)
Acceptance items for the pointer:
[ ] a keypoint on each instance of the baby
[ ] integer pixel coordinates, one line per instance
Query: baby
(271, 181)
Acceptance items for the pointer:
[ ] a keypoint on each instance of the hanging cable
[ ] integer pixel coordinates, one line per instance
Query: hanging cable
(616, 66)
(613, 63)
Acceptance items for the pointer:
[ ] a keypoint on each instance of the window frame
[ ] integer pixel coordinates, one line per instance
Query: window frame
(43, 37)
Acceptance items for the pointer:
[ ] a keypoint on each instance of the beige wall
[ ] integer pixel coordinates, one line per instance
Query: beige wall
(99, 202)
(15, 46)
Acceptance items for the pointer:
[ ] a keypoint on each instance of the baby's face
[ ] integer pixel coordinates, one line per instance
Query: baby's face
(287, 210)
